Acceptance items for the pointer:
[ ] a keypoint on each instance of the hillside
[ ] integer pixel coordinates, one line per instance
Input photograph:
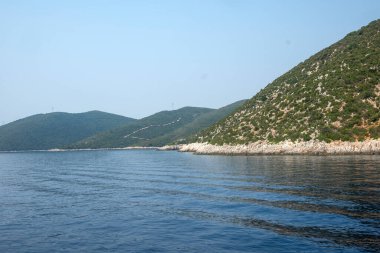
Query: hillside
(54, 130)
(143, 131)
(182, 134)
(159, 129)
(333, 95)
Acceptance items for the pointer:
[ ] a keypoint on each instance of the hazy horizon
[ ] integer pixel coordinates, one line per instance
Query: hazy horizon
(135, 58)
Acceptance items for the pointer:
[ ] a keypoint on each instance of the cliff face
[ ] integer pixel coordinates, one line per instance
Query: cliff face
(333, 95)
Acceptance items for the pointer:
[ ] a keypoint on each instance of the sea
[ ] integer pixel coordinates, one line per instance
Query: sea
(167, 201)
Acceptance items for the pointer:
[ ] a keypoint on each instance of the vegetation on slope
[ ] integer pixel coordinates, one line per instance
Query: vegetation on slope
(144, 131)
(54, 130)
(184, 133)
(334, 95)
(159, 129)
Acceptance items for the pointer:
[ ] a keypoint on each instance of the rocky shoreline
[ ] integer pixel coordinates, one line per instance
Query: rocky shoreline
(282, 148)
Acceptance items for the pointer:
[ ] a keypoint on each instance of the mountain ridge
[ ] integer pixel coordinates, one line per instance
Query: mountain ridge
(159, 129)
(53, 130)
(332, 96)
(96, 129)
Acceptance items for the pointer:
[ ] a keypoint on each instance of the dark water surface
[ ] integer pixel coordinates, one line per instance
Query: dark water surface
(149, 201)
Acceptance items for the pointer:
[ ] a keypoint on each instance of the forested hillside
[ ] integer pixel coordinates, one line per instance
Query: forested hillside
(333, 95)
(54, 130)
(159, 129)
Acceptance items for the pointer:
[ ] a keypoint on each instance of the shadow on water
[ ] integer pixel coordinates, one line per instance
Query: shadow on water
(370, 242)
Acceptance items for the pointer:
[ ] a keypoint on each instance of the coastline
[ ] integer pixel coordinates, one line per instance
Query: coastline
(81, 149)
(371, 147)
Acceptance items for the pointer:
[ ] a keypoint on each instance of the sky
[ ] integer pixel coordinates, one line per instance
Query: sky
(138, 57)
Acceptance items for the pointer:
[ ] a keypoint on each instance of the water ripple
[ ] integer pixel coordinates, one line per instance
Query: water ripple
(144, 201)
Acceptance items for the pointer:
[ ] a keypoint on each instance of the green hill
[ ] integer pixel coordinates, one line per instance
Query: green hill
(143, 131)
(54, 130)
(182, 134)
(333, 95)
(159, 129)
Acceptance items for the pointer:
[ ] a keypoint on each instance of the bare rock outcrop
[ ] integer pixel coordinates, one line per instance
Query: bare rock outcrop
(286, 147)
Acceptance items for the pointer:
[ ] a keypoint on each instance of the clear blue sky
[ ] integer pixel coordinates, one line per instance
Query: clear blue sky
(138, 57)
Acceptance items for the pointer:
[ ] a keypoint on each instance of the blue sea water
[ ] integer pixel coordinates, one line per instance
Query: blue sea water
(151, 201)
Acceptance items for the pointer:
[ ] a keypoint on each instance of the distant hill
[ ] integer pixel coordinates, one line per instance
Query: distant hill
(54, 130)
(187, 132)
(334, 95)
(158, 129)
(143, 131)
